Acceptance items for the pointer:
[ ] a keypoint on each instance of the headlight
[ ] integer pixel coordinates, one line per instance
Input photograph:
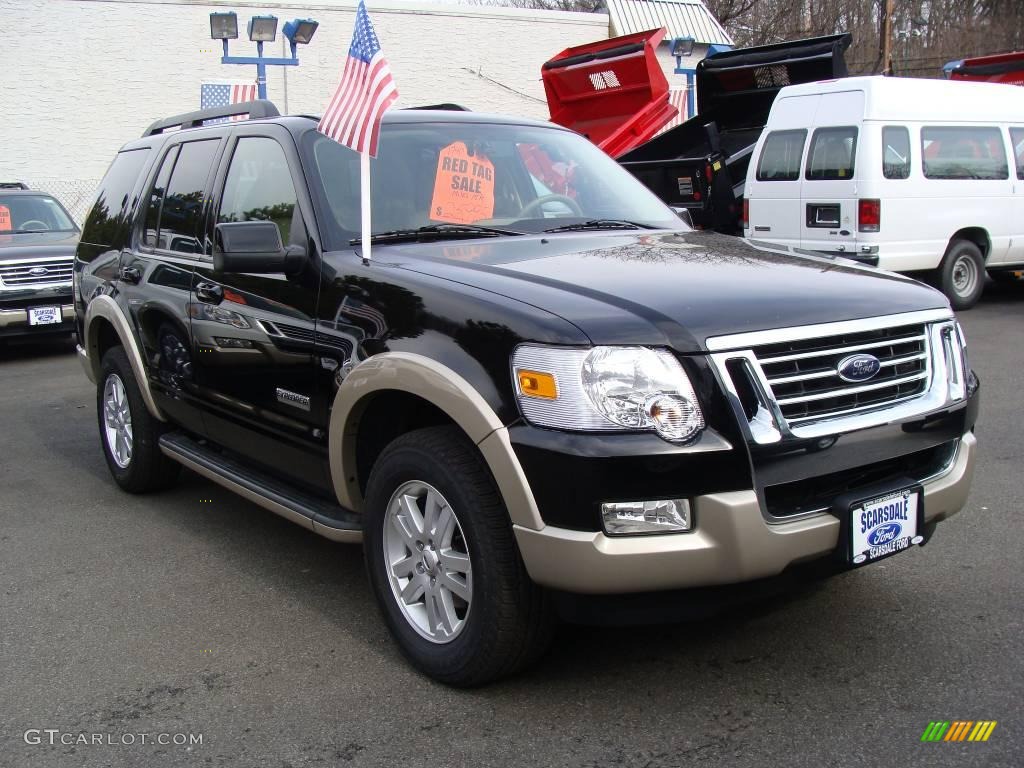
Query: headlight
(606, 389)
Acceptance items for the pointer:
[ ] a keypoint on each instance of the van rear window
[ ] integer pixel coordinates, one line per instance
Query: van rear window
(1017, 138)
(963, 153)
(780, 156)
(832, 153)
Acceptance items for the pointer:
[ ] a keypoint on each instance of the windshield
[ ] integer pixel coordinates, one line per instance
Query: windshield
(33, 213)
(514, 177)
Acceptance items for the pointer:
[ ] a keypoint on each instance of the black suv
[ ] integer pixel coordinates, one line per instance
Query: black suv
(542, 388)
(37, 250)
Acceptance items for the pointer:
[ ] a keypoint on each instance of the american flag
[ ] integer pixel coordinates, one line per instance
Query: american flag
(677, 98)
(366, 90)
(223, 94)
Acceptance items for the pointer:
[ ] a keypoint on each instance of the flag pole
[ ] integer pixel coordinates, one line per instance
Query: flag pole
(364, 202)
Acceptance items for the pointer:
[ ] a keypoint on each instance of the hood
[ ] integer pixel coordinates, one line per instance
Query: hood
(36, 245)
(667, 289)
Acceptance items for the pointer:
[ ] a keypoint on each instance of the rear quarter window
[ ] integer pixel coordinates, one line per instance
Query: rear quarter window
(895, 152)
(963, 153)
(114, 199)
(781, 155)
(832, 154)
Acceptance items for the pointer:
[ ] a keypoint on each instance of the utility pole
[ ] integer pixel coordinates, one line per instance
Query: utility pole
(887, 38)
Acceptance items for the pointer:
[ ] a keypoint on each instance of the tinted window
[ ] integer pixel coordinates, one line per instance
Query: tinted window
(179, 221)
(259, 186)
(963, 153)
(895, 152)
(832, 154)
(780, 157)
(1017, 139)
(32, 213)
(156, 200)
(113, 205)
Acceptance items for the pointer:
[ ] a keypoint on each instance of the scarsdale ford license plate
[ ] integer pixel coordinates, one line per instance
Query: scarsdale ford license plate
(884, 525)
(44, 315)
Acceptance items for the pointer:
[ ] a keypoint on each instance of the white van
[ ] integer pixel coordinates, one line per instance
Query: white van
(912, 175)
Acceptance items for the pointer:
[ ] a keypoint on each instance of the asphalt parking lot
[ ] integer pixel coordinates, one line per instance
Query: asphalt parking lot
(195, 612)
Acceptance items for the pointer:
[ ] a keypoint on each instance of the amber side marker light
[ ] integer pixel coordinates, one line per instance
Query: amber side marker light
(537, 384)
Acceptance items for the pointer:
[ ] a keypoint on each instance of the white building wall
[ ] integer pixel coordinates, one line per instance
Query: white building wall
(82, 77)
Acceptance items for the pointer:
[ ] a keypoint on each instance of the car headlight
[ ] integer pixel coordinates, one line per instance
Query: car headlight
(605, 389)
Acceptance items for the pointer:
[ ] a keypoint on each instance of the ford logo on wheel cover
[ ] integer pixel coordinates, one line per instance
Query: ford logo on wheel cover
(859, 367)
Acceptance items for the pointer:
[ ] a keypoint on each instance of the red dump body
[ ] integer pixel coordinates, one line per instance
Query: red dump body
(613, 91)
(1000, 68)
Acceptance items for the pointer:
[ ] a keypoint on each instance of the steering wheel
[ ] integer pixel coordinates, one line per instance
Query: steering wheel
(40, 225)
(553, 198)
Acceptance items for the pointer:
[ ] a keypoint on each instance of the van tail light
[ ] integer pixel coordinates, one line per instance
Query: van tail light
(869, 215)
(746, 213)
(708, 173)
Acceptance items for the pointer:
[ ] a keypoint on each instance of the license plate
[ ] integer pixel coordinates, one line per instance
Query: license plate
(44, 315)
(884, 525)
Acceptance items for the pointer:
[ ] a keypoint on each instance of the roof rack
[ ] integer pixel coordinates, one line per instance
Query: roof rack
(13, 185)
(254, 109)
(447, 107)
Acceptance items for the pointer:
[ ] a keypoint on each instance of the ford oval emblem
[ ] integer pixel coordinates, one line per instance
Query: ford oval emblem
(860, 367)
(38, 271)
(885, 533)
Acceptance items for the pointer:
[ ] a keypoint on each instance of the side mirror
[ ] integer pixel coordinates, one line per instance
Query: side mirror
(254, 246)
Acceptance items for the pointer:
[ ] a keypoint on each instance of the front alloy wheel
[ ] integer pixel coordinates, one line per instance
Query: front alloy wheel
(117, 418)
(428, 562)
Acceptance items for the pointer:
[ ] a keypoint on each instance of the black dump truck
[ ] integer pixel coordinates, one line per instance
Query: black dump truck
(701, 165)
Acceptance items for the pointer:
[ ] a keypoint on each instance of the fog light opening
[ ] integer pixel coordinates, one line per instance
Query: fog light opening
(630, 518)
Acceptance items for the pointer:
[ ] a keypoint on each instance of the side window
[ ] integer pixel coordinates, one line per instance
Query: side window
(780, 156)
(963, 153)
(895, 152)
(1017, 139)
(259, 186)
(181, 217)
(832, 154)
(112, 201)
(151, 228)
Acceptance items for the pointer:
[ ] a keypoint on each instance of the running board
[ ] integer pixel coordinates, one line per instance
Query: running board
(322, 517)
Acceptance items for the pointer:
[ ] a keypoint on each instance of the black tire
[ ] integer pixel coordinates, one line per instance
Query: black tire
(961, 276)
(508, 625)
(147, 468)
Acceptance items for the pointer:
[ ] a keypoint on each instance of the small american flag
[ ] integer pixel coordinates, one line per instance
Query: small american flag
(223, 94)
(677, 98)
(366, 90)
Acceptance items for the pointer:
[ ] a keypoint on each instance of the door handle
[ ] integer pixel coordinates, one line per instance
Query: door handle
(130, 275)
(211, 293)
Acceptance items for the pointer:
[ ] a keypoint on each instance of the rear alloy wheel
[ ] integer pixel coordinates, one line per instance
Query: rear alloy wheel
(962, 274)
(443, 562)
(128, 431)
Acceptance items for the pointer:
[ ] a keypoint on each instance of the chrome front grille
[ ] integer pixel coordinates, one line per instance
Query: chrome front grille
(785, 384)
(41, 272)
(803, 375)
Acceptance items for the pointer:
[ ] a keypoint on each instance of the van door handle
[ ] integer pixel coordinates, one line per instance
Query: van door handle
(211, 293)
(130, 275)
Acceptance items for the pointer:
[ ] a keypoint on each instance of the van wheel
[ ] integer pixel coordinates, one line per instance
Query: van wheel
(444, 565)
(961, 274)
(128, 431)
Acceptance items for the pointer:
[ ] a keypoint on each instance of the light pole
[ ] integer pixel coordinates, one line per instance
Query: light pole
(261, 29)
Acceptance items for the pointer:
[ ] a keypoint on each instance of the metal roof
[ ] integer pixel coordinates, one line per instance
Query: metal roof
(680, 17)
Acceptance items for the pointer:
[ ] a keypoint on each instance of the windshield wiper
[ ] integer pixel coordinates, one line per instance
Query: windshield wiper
(601, 224)
(435, 232)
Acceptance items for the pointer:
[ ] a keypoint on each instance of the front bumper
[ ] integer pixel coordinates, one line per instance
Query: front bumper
(14, 321)
(732, 542)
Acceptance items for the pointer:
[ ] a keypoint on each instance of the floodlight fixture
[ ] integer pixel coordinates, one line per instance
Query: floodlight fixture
(263, 29)
(682, 46)
(300, 30)
(224, 26)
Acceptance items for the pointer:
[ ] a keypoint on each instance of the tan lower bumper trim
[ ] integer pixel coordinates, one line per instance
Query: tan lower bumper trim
(732, 543)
